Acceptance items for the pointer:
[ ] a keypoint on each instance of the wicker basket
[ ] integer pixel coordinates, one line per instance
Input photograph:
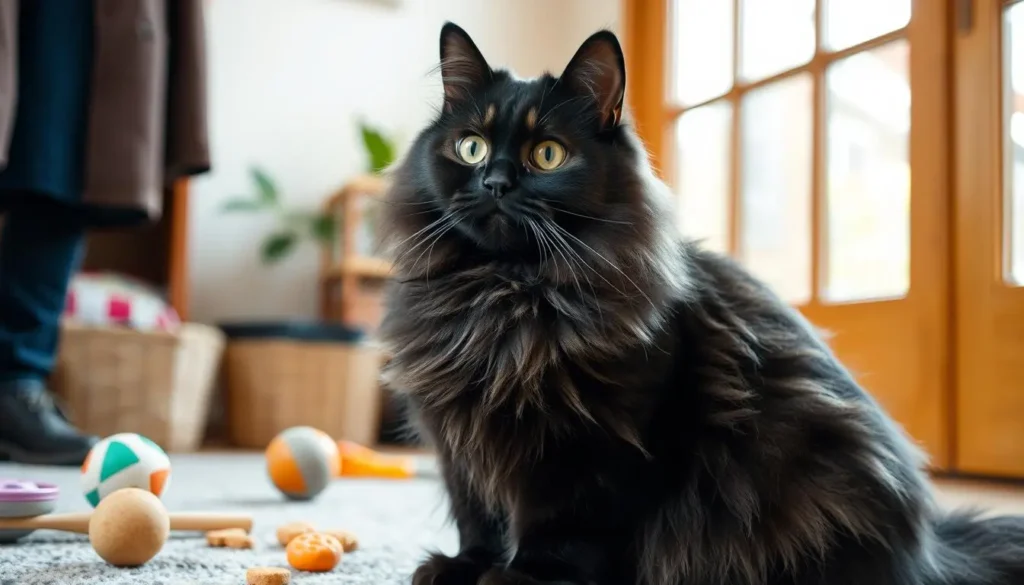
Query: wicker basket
(157, 384)
(274, 384)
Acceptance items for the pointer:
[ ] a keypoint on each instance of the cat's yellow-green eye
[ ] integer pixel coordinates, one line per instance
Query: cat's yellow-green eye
(548, 155)
(472, 149)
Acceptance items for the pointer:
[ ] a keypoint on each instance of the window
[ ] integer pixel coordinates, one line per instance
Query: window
(1013, 27)
(787, 139)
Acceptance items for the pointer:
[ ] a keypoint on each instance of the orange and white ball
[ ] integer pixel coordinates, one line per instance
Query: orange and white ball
(302, 461)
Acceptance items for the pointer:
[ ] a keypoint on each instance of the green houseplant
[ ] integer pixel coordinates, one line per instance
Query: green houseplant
(292, 226)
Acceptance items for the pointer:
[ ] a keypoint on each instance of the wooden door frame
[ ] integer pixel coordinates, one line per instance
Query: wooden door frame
(979, 200)
(644, 26)
(932, 205)
(976, 127)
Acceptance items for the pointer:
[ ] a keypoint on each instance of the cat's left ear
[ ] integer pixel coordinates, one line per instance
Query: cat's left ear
(599, 69)
(463, 68)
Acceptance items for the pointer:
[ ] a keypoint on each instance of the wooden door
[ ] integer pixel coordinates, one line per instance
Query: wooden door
(790, 130)
(989, 227)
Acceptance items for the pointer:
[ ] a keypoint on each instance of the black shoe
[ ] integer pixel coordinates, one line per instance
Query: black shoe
(34, 430)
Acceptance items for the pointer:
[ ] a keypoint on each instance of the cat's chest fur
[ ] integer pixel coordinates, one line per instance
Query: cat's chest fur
(499, 369)
(490, 342)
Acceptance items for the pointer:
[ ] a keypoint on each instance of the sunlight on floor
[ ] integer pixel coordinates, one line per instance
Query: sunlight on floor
(997, 497)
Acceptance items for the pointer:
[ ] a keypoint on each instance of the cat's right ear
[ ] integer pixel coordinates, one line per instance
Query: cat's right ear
(463, 68)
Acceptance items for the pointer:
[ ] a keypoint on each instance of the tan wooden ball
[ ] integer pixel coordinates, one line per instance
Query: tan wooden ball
(129, 527)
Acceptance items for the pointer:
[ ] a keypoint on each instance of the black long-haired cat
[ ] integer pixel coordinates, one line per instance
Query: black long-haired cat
(610, 403)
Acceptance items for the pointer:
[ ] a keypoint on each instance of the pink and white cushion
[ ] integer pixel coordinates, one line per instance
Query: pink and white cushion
(96, 298)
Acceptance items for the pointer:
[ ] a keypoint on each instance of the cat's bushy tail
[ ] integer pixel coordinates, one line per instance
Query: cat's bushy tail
(973, 550)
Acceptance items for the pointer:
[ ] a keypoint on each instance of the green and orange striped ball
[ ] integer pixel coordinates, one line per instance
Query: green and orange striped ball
(121, 461)
(302, 461)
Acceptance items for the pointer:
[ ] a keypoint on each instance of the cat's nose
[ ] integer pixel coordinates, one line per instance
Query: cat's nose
(497, 185)
(500, 179)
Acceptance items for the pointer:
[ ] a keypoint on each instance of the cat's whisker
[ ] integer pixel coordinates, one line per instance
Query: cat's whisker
(550, 252)
(434, 228)
(555, 109)
(566, 211)
(427, 227)
(541, 247)
(404, 203)
(571, 264)
(434, 237)
(579, 260)
(419, 242)
(415, 213)
(609, 262)
(430, 249)
(521, 224)
(602, 257)
(544, 96)
(548, 249)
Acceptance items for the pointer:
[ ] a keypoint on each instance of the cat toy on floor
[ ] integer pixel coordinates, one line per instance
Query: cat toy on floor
(127, 528)
(302, 461)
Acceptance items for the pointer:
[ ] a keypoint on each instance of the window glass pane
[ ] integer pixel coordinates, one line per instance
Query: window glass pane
(1014, 70)
(702, 171)
(775, 35)
(701, 58)
(868, 176)
(776, 159)
(848, 22)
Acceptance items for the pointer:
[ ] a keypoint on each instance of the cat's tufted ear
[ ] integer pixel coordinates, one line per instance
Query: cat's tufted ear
(463, 68)
(598, 69)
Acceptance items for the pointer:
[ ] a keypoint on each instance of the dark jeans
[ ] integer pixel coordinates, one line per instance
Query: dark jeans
(39, 252)
(42, 243)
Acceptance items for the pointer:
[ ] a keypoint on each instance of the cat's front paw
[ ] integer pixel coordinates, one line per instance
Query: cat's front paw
(498, 576)
(442, 570)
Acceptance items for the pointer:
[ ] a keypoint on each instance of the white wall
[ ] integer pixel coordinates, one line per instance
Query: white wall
(287, 81)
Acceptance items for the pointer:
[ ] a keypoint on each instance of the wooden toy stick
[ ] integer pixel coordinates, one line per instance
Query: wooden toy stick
(205, 522)
(79, 522)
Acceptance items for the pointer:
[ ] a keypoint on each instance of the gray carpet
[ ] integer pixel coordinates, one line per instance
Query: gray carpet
(396, 522)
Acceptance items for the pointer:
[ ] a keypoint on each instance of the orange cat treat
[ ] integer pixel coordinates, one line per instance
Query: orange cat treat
(219, 537)
(348, 540)
(314, 552)
(268, 576)
(287, 532)
(239, 541)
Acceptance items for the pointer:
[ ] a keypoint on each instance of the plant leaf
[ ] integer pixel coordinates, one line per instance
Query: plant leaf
(278, 245)
(240, 204)
(265, 188)
(380, 150)
(297, 219)
(323, 228)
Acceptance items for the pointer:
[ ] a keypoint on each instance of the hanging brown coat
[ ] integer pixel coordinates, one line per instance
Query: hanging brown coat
(147, 112)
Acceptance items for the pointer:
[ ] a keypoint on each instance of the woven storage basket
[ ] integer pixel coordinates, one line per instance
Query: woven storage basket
(157, 384)
(274, 384)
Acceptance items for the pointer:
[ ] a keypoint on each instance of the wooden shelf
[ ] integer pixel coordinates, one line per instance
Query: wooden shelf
(358, 186)
(350, 281)
(361, 268)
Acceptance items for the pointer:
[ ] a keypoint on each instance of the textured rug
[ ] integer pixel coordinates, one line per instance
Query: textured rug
(396, 523)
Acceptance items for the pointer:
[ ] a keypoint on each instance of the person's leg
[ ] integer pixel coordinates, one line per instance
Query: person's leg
(39, 252)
